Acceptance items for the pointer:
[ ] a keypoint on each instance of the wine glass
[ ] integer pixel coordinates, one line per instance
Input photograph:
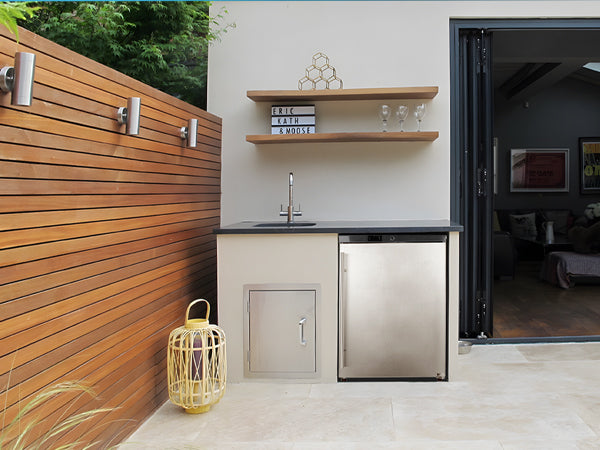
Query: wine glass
(419, 114)
(384, 115)
(401, 114)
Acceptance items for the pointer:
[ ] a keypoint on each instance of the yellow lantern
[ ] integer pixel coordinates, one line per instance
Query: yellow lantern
(196, 363)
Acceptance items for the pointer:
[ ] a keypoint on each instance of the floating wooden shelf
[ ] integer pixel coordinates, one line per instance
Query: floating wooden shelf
(398, 93)
(406, 136)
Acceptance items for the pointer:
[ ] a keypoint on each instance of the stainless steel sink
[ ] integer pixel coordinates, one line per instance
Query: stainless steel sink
(285, 224)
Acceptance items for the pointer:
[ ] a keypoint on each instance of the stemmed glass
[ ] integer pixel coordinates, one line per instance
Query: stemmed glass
(401, 114)
(419, 114)
(384, 114)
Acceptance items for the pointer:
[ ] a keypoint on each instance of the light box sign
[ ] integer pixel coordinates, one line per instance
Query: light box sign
(293, 119)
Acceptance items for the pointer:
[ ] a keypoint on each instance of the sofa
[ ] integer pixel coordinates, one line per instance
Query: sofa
(521, 229)
(517, 234)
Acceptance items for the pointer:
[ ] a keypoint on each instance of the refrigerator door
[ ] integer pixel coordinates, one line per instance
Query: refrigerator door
(393, 310)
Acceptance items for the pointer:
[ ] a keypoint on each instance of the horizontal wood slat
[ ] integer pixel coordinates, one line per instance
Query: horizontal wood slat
(114, 136)
(32, 171)
(60, 187)
(155, 153)
(59, 158)
(22, 220)
(133, 241)
(105, 238)
(66, 324)
(67, 294)
(24, 203)
(88, 276)
(30, 237)
(58, 248)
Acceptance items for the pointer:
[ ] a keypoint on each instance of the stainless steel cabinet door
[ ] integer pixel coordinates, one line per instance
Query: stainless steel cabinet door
(281, 331)
(393, 310)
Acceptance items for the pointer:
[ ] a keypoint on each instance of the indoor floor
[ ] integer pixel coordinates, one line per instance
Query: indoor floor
(534, 396)
(530, 307)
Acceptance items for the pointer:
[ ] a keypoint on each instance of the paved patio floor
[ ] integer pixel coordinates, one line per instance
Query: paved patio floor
(526, 396)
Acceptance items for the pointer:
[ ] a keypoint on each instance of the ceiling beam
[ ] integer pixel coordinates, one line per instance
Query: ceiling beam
(541, 77)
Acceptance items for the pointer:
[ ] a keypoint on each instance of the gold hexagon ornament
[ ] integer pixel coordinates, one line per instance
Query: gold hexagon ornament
(334, 83)
(327, 71)
(321, 83)
(320, 60)
(320, 75)
(305, 83)
(313, 72)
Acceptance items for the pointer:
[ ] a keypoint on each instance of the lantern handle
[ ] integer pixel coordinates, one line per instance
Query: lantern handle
(187, 313)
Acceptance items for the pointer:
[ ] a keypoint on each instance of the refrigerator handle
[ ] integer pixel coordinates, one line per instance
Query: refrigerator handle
(342, 307)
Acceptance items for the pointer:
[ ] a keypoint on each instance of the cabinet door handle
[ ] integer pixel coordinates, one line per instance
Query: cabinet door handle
(301, 328)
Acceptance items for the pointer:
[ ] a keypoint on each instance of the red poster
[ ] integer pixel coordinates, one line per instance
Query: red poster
(539, 170)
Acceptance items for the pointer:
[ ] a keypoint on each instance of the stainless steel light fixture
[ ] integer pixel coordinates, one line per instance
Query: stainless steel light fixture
(190, 133)
(19, 79)
(130, 115)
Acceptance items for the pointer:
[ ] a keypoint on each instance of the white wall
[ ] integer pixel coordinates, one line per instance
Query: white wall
(371, 44)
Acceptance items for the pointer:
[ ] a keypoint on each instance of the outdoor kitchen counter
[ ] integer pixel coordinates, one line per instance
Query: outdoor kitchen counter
(344, 227)
(270, 257)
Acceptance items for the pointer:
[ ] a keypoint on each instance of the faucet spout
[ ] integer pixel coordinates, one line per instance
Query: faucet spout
(290, 210)
(290, 213)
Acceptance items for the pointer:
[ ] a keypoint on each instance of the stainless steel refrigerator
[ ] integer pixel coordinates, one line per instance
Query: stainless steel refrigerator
(393, 307)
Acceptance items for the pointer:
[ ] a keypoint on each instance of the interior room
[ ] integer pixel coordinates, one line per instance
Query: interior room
(546, 97)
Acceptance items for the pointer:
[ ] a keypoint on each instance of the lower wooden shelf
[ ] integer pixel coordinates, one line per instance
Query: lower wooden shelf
(397, 136)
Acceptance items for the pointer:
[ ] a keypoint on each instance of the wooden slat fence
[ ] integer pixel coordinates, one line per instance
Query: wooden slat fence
(105, 238)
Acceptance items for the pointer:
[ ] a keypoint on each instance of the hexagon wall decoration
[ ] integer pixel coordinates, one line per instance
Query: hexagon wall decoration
(320, 75)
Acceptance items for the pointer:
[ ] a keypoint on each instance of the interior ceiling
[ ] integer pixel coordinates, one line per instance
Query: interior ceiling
(526, 62)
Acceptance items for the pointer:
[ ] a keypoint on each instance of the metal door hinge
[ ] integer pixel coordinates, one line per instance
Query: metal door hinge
(480, 299)
(482, 175)
(483, 52)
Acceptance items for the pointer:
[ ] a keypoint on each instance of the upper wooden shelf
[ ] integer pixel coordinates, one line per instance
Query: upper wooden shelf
(397, 136)
(398, 93)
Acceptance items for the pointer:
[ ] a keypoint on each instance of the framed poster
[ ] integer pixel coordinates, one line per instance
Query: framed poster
(589, 166)
(539, 170)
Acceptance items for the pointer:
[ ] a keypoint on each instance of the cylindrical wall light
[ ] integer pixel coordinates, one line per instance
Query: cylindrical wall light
(19, 79)
(130, 115)
(190, 133)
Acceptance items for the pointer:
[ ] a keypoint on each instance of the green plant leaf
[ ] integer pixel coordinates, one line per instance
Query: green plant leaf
(12, 12)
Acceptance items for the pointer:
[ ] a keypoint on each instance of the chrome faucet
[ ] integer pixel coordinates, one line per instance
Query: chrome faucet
(290, 213)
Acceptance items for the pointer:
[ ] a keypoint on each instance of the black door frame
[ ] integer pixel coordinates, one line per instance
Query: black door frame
(476, 110)
(457, 205)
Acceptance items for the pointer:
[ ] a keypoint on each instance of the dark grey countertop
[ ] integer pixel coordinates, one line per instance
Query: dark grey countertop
(343, 227)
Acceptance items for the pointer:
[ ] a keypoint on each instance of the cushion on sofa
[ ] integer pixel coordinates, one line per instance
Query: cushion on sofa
(523, 225)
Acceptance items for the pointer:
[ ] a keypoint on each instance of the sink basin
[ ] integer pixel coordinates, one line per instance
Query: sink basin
(285, 224)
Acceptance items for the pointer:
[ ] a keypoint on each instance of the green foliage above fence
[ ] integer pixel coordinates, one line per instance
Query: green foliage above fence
(162, 44)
